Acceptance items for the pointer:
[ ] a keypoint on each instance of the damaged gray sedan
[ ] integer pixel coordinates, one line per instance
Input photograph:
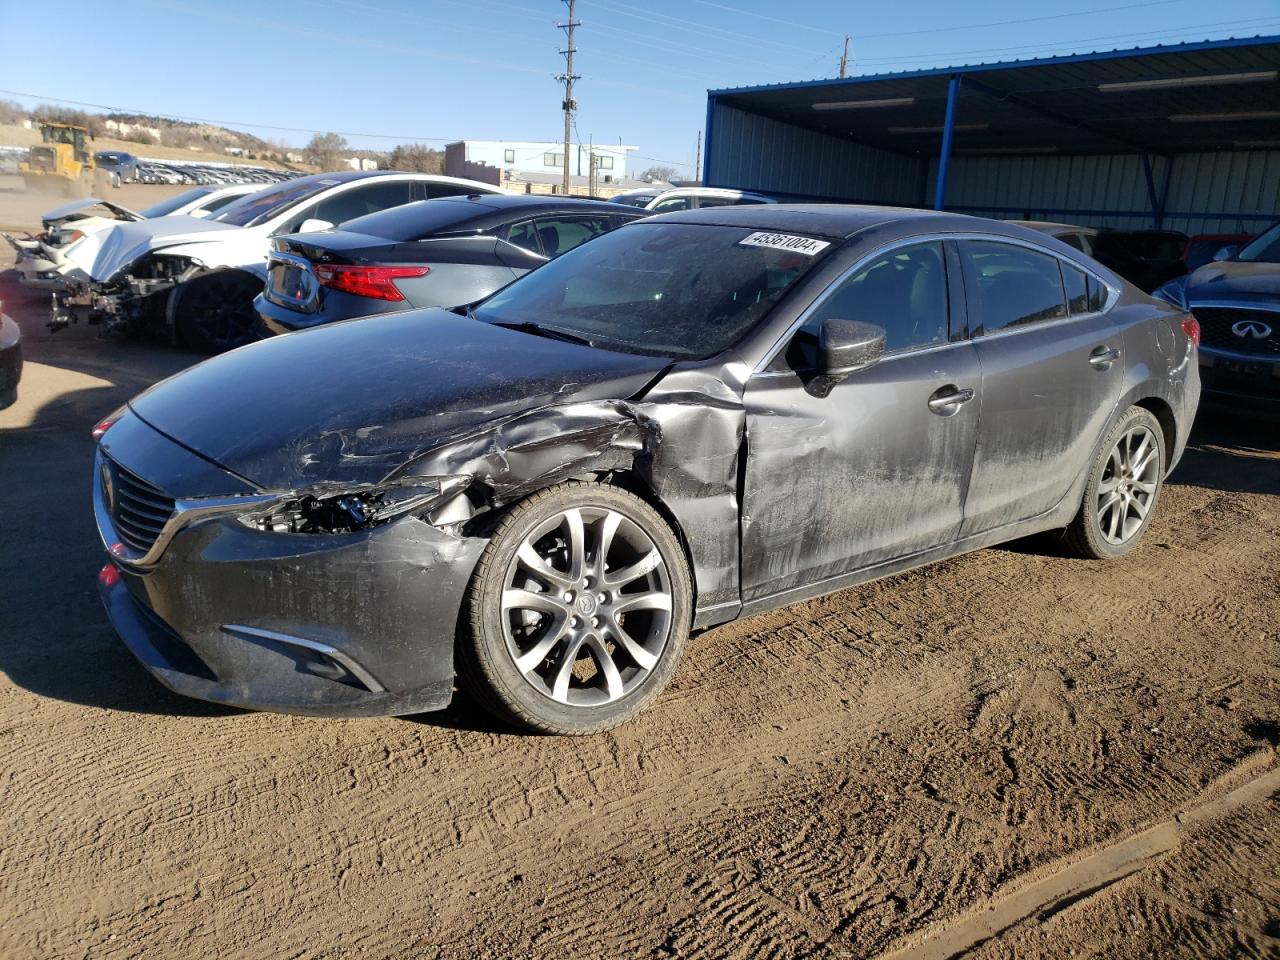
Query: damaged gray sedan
(695, 418)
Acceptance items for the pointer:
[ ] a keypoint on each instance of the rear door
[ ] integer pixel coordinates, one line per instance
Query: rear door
(874, 469)
(1051, 372)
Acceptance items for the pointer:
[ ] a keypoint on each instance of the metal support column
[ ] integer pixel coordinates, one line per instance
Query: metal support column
(1157, 214)
(944, 158)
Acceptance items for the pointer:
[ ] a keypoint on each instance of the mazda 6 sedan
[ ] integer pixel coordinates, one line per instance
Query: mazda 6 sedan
(693, 418)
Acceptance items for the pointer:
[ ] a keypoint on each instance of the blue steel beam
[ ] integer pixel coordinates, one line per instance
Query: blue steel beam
(948, 128)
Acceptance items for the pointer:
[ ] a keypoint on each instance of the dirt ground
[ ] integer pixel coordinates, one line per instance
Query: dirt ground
(1011, 753)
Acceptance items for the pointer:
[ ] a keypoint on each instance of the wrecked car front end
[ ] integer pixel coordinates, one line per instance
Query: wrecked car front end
(318, 563)
(134, 300)
(227, 594)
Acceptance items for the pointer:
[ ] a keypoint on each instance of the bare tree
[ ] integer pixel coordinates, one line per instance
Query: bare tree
(325, 150)
(659, 173)
(11, 112)
(415, 158)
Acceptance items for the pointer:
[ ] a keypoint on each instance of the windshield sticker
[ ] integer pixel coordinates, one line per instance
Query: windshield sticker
(785, 241)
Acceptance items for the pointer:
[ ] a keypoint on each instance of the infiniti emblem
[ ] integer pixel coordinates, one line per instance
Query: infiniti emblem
(1251, 328)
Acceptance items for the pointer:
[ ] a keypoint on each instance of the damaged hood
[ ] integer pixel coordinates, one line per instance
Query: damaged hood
(129, 241)
(1231, 279)
(355, 401)
(68, 211)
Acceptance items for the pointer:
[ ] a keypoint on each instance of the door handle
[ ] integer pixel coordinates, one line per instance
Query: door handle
(946, 401)
(1103, 356)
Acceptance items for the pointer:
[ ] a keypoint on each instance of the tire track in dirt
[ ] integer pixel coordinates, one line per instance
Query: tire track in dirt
(821, 780)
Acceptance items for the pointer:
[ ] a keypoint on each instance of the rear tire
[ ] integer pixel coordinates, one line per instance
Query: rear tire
(214, 312)
(1123, 489)
(578, 612)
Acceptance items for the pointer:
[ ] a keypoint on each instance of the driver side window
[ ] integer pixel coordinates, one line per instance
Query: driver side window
(903, 291)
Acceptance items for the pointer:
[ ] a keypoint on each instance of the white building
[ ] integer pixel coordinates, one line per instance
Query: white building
(532, 156)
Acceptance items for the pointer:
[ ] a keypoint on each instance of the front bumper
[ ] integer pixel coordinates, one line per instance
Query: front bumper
(1239, 383)
(354, 624)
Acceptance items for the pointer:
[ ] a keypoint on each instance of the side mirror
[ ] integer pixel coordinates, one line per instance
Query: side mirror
(1227, 252)
(312, 225)
(847, 346)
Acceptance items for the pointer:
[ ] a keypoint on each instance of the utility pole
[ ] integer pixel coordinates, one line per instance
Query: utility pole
(567, 78)
(844, 59)
(697, 164)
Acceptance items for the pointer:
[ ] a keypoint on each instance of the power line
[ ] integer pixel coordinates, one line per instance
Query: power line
(731, 35)
(1005, 23)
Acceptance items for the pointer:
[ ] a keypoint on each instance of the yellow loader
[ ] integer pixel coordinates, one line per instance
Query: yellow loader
(63, 163)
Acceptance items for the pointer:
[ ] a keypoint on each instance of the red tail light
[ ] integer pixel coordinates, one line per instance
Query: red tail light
(374, 282)
(1191, 327)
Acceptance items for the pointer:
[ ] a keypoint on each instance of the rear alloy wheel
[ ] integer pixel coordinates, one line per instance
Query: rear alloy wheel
(214, 312)
(580, 610)
(1123, 489)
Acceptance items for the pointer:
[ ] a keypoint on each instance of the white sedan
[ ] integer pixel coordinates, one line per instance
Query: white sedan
(194, 280)
(694, 198)
(81, 224)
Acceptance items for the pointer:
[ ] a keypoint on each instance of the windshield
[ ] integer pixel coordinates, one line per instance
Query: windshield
(265, 204)
(166, 207)
(1264, 248)
(665, 289)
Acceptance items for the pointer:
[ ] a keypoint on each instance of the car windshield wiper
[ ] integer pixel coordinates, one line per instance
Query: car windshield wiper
(528, 326)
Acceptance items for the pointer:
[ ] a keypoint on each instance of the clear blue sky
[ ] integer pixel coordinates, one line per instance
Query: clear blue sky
(439, 70)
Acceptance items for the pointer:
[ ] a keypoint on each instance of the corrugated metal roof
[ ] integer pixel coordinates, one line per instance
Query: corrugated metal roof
(1060, 104)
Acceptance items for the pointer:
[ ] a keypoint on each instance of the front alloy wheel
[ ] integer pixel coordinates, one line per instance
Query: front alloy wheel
(580, 609)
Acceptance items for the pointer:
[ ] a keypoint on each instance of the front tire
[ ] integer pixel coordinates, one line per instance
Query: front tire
(214, 312)
(1123, 489)
(579, 611)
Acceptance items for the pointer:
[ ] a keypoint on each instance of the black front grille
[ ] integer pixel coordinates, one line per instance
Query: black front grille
(1219, 326)
(139, 510)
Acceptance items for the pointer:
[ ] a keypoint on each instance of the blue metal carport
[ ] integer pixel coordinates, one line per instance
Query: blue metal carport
(1185, 137)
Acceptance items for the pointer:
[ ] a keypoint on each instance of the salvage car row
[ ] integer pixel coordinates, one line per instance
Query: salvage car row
(216, 268)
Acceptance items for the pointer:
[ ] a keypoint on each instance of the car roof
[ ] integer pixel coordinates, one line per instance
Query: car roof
(834, 220)
(1047, 225)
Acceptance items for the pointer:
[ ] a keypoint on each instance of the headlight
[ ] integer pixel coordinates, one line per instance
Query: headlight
(326, 510)
(1175, 292)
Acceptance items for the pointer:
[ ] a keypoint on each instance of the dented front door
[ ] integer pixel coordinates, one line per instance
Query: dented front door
(870, 472)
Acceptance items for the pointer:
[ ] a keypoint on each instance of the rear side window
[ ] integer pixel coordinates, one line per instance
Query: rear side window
(1097, 295)
(673, 205)
(525, 235)
(560, 234)
(1011, 286)
(1076, 284)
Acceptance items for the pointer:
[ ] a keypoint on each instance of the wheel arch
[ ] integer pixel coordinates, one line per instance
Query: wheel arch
(1163, 412)
(633, 482)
